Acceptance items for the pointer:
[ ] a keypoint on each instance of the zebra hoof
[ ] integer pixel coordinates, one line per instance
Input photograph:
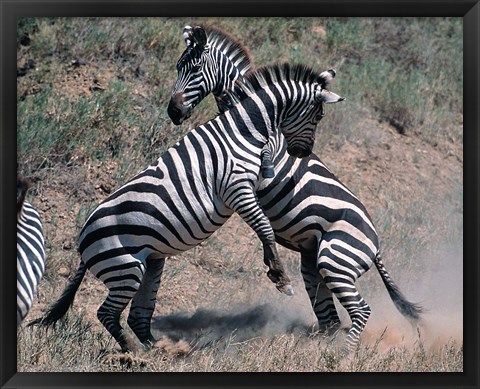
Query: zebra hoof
(287, 289)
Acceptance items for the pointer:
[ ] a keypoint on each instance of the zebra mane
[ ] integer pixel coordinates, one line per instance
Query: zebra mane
(231, 47)
(267, 75)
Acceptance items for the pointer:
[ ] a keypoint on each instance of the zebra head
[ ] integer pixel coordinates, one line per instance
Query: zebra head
(299, 94)
(300, 119)
(192, 83)
(211, 63)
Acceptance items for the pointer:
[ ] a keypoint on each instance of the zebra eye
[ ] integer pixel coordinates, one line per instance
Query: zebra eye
(196, 67)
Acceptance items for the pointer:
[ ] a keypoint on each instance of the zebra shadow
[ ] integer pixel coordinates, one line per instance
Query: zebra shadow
(208, 327)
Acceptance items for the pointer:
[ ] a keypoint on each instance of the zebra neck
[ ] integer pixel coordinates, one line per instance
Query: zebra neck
(238, 127)
(228, 70)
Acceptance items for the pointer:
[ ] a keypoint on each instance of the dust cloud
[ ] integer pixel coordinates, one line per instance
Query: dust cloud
(440, 292)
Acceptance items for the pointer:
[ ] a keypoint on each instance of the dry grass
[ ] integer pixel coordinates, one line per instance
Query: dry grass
(76, 346)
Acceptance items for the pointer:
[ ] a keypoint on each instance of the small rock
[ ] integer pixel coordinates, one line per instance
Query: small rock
(63, 271)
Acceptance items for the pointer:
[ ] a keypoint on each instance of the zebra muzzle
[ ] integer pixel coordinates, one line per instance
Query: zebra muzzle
(177, 111)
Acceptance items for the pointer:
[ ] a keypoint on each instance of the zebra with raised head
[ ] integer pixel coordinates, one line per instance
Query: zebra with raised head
(217, 59)
(310, 210)
(189, 193)
(30, 251)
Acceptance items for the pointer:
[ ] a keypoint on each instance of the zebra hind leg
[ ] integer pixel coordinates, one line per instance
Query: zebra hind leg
(122, 288)
(143, 304)
(359, 312)
(320, 296)
(347, 294)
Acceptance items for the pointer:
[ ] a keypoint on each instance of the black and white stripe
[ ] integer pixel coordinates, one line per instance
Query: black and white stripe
(312, 212)
(190, 192)
(30, 251)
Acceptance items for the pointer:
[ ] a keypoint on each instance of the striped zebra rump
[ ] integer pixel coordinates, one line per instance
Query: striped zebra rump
(153, 215)
(30, 255)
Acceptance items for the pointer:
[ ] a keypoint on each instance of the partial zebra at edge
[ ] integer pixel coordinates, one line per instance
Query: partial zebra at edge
(30, 251)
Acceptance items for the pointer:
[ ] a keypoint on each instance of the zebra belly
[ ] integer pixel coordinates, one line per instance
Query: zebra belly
(298, 233)
(142, 221)
(121, 237)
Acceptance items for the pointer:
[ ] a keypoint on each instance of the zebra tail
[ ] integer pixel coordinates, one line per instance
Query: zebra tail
(406, 308)
(61, 306)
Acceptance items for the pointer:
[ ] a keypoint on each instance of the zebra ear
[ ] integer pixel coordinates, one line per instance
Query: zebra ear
(187, 35)
(329, 97)
(325, 77)
(199, 36)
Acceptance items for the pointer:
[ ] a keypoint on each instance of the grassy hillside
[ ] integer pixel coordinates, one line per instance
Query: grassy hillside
(91, 112)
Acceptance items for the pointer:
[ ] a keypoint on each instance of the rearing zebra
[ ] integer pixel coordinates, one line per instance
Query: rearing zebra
(30, 251)
(310, 210)
(189, 193)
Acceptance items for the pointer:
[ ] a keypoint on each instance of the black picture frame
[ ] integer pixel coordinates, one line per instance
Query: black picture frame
(11, 10)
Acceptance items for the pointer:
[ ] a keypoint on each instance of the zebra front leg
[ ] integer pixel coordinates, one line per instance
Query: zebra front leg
(143, 304)
(276, 272)
(267, 167)
(246, 205)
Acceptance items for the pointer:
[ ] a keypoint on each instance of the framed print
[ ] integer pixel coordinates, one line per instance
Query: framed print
(240, 194)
